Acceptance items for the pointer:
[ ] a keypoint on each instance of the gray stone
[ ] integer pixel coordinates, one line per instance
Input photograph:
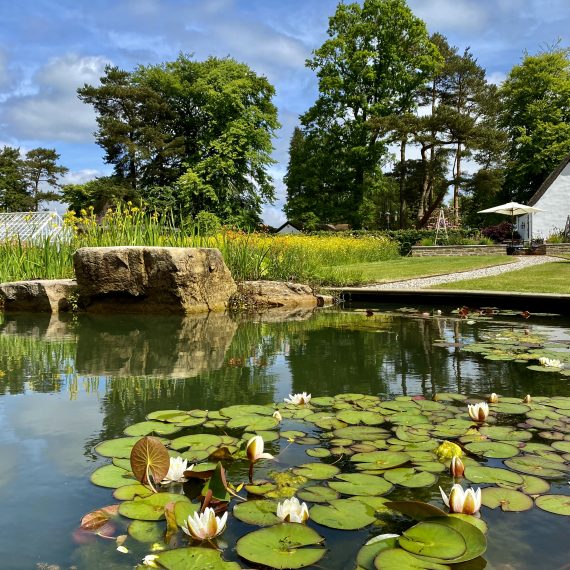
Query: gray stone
(41, 296)
(141, 279)
(277, 294)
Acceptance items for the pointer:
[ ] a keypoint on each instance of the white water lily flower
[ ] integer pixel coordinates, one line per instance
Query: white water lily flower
(277, 415)
(206, 525)
(254, 449)
(467, 502)
(176, 471)
(291, 510)
(527, 399)
(550, 362)
(478, 412)
(298, 399)
(150, 560)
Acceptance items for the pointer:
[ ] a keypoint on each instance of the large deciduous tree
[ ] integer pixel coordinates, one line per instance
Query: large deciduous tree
(376, 57)
(536, 116)
(196, 135)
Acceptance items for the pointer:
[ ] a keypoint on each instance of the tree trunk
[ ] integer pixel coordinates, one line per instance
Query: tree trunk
(456, 184)
(402, 182)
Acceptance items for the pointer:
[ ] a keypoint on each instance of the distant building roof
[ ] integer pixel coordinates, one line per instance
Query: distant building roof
(548, 182)
(286, 225)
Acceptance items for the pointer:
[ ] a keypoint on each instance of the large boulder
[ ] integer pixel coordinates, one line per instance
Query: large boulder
(141, 279)
(41, 296)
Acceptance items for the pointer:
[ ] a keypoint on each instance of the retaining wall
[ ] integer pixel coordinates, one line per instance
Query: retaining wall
(468, 250)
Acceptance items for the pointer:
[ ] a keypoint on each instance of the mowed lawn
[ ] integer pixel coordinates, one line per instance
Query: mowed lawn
(408, 268)
(548, 278)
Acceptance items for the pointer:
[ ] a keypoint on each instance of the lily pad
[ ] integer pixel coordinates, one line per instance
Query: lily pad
(531, 485)
(506, 499)
(492, 449)
(146, 531)
(253, 422)
(367, 554)
(356, 417)
(360, 484)
(557, 504)
(194, 557)
(260, 513)
(282, 546)
(538, 466)
(144, 428)
(245, 410)
(343, 514)
(129, 492)
(492, 475)
(318, 452)
(362, 433)
(119, 447)
(199, 441)
(112, 477)
(150, 508)
(399, 559)
(381, 459)
(409, 477)
(317, 494)
(433, 540)
(316, 471)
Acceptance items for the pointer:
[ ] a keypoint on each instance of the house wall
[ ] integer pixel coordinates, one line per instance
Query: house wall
(556, 205)
(288, 229)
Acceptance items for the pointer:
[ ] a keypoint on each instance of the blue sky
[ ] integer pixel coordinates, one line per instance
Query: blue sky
(48, 48)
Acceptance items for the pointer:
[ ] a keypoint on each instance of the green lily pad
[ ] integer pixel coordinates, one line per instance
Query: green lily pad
(245, 410)
(167, 415)
(360, 484)
(199, 441)
(317, 494)
(316, 471)
(563, 446)
(261, 489)
(356, 417)
(183, 510)
(343, 514)
(146, 531)
(282, 546)
(119, 447)
(505, 408)
(195, 557)
(318, 452)
(362, 433)
(148, 427)
(505, 433)
(531, 485)
(433, 540)
(112, 477)
(399, 559)
(416, 510)
(260, 513)
(557, 504)
(367, 554)
(322, 401)
(538, 466)
(150, 508)
(492, 475)
(409, 477)
(492, 449)
(381, 459)
(190, 422)
(129, 492)
(507, 499)
(253, 422)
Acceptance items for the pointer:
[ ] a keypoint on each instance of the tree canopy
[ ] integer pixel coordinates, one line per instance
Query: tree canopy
(196, 135)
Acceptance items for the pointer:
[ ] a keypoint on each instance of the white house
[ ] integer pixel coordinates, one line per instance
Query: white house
(553, 197)
(288, 228)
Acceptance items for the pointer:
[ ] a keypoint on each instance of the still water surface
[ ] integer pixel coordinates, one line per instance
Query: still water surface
(66, 386)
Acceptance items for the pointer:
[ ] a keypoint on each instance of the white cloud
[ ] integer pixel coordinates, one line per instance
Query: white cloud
(81, 176)
(496, 77)
(455, 14)
(53, 111)
(273, 216)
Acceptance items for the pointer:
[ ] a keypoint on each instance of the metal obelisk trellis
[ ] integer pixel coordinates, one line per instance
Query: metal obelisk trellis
(440, 225)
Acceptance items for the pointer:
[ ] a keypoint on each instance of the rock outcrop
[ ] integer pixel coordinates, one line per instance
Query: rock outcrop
(266, 294)
(42, 296)
(141, 279)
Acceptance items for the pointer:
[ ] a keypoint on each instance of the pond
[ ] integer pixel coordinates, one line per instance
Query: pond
(68, 385)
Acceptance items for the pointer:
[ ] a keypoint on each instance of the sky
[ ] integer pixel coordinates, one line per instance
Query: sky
(49, 48)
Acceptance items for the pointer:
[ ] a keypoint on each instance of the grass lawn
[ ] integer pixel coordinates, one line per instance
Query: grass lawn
(548, 278)
(406, 268)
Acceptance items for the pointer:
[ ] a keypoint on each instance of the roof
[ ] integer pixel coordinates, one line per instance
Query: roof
(548, 182)
(288, 223)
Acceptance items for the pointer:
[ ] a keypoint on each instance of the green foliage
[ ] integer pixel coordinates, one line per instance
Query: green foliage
(40, 167)
(536, 116)
(100, 194)
(190, 135)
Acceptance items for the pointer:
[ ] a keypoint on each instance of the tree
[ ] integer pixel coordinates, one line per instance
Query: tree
(198, 134)
(40, 166)
(14, 195)
(100, 193)
(536, 116)
(375, 58)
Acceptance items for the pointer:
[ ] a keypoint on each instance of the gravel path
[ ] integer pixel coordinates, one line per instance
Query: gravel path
(426, 282)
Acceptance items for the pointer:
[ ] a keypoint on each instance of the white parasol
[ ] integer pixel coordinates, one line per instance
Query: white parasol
(511, 209)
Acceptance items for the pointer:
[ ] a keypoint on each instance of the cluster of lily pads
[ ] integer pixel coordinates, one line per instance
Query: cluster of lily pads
(523, 346)
(181, 478)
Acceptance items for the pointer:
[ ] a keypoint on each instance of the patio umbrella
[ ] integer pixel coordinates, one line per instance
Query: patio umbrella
(511, 209)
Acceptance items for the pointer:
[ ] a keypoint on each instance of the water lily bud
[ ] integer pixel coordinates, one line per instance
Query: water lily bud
(493, 398)
(527, 399)
(478, 412)
(457, 468)
(254, 449)
(277, 415)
